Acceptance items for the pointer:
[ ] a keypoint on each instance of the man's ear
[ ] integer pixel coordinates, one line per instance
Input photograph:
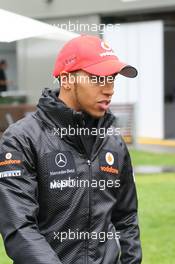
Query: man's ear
(66, 80)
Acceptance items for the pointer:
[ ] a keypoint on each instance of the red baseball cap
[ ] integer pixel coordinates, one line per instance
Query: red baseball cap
(93, 55)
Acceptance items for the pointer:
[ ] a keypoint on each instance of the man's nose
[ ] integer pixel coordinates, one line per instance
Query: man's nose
(108, 89)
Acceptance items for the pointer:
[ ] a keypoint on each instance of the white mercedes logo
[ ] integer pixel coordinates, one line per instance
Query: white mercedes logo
(60, 160)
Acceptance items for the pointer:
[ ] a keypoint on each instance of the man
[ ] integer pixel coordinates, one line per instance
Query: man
(3, 79)
(67, 194)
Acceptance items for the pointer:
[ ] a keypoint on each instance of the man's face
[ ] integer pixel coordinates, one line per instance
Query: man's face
(92, 94)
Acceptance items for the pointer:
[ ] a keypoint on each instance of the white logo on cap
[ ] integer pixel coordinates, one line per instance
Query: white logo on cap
(107, 53)
(105, 45)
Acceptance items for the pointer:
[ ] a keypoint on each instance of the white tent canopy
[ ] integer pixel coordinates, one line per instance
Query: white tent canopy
(16, 27)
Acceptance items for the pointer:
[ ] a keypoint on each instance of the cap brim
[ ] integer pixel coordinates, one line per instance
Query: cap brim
(111, 67)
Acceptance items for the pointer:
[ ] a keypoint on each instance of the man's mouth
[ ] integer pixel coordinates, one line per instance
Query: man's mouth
(104, 104)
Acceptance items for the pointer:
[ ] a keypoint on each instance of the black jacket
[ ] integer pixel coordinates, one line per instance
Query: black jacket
(46, 215)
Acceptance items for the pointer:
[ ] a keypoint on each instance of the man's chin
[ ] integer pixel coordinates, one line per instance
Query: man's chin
(96, 115)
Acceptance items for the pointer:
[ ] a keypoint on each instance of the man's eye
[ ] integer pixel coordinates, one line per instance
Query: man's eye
(93, 77)
(100, 78)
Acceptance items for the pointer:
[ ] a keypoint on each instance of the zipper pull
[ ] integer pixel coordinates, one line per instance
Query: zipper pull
(89, 162)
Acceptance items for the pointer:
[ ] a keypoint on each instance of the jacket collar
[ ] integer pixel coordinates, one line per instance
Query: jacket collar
(56, 114)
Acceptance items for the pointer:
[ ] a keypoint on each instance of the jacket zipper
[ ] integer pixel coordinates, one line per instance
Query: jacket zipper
(89, 218)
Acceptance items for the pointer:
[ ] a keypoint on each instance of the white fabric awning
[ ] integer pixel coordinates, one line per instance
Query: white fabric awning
(16, 27)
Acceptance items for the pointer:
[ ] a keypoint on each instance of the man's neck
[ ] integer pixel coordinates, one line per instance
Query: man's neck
(68, 101)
